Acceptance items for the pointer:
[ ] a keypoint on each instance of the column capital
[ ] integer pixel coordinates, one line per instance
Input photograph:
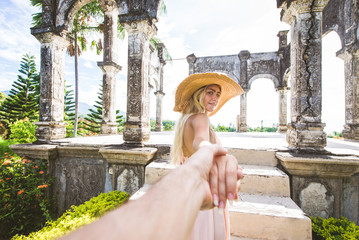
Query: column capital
(141, 26)
(293, 9)
(108, 5)
(244, 55)
(159, 93)
(109, 67)
(282, 89)
(191, 59)
(51, 37)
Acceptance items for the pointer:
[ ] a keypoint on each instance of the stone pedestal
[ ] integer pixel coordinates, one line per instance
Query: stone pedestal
(137, 125)
(52, 89)
(306, 129)
(127, 166)
(282, 126)
(324, 185)
(109, 67)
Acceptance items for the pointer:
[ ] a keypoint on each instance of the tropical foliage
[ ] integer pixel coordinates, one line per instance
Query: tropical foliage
(334, 228)
(80, 215)
(92, 122)
(23, 99)
(23, 200)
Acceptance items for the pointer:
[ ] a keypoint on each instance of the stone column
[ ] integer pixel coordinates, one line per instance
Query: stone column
(306, 128)
(351, 72)
(282, 39)
(159, 96)
(109, 67)
(243, 112)
(137, 126)
(191, 59)
(282, 127)
(159, 93)
(243, 81)
(243, 57)
(51, 123)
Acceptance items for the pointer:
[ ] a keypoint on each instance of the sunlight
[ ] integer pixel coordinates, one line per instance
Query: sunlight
(333, 106)
(262, 100)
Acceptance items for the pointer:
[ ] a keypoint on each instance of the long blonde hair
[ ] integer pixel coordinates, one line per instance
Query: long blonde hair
(195, 105)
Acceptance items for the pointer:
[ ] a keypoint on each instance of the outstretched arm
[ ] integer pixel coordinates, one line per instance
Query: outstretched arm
(168, 210)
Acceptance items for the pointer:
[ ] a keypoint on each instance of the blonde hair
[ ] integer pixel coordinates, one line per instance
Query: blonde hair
(194, 106)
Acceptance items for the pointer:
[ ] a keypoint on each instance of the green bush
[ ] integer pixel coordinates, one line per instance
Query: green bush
(79, 215)
(24, 206)
(4, 147)
(22, 131)
(333, 228)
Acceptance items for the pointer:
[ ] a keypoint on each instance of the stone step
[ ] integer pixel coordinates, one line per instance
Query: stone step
(262, 180)
(262, 217)
(268, 217)
(260, 157)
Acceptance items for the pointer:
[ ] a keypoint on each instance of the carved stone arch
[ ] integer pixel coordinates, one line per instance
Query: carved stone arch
(232, 75)
(66, 11)
(268, 76)
(335, 19)
(155, 81)
(285, 78)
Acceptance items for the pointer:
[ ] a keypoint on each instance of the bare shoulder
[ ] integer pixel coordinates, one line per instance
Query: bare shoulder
(199, 119)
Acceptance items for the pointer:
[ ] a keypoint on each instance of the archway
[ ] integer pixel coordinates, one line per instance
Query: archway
(333, 106)
(262, 100)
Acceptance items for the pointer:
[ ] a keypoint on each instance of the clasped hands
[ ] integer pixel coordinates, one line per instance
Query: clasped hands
(220, 175)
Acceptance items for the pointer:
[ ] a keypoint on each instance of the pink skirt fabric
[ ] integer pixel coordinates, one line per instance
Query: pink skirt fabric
(211, 225)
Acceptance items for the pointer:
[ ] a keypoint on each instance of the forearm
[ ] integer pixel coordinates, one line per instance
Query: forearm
(167, 211)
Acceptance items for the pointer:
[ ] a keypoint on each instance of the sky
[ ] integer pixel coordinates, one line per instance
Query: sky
(202, 27)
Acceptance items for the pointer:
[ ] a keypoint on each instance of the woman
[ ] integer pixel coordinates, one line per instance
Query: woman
(198, 97)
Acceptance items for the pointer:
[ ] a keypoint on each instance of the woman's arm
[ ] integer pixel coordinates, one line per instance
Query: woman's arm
(169, 209)
(200, 125)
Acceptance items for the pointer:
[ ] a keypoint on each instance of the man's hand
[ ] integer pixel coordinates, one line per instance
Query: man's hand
(220, 174)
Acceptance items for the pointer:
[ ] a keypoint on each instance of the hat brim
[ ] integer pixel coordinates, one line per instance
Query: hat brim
(185, 90)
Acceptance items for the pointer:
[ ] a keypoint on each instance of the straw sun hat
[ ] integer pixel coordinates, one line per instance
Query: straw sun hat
(185, 90)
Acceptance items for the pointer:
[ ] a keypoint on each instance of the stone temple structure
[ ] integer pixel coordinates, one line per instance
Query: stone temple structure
(85, 170)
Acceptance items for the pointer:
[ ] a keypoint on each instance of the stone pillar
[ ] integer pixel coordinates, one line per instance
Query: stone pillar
(51, 123)
(191, 59)
(109, 67)
(351, 72)
(306, 128)
(282, 35)
(243, 57)
(243, 112)
(159, 96)
(243, 81)
(137, 126)
(282, 127)
(159, 93)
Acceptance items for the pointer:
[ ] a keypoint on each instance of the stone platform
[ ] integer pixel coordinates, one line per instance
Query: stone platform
(250, 140)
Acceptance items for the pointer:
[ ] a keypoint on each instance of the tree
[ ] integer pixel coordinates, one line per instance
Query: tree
(93, 120)
(88, 20)
(23, 99)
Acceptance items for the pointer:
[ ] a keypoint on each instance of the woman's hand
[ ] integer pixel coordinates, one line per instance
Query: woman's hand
(219, 172)
(224, 180)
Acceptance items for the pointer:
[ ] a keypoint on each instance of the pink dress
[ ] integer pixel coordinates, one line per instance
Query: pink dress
(210, 224)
